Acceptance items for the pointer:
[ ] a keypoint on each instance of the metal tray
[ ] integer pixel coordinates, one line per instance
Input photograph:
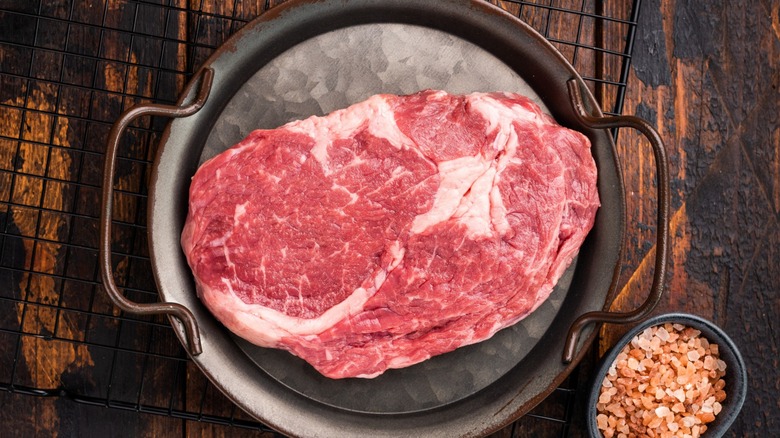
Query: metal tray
(311, 57)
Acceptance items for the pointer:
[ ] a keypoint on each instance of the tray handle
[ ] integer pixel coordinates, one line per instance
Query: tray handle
(662, 234)
(106, 272)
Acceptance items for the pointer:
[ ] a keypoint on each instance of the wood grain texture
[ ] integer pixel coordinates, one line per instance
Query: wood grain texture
(706, 74)
(45, 166)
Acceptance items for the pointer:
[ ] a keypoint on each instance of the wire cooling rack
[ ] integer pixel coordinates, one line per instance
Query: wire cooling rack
(67, 70)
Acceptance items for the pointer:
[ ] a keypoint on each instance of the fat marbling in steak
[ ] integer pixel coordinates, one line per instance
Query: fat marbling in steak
(391, 231)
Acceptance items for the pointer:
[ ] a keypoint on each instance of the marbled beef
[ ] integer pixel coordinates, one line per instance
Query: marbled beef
(391, 231)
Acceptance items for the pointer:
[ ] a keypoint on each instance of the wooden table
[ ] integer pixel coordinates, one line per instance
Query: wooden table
(705, 73)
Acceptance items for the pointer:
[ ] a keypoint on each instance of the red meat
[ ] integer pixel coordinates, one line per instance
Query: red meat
(391, 231)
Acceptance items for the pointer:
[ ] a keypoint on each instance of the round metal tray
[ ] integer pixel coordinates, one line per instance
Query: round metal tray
(311, 57)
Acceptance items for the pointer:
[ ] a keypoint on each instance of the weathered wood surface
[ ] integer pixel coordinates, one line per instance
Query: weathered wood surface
(706, 74)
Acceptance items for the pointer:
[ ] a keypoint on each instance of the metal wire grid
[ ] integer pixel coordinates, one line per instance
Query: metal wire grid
(66, 72)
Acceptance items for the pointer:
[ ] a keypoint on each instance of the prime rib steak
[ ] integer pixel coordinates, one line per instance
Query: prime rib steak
(399, 228)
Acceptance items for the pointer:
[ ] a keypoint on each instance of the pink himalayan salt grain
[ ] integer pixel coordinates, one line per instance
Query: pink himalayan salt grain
(601, 421)
(667, 382)
(662, 334)
(662, 411)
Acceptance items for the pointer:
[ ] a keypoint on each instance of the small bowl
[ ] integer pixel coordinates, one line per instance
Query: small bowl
(735, 378)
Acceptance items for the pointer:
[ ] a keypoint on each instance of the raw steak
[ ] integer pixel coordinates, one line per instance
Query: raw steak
(391, 231)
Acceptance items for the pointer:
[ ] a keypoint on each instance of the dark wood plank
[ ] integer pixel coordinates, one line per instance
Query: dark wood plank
(47, 161)
(706, 75)
(31, 416)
